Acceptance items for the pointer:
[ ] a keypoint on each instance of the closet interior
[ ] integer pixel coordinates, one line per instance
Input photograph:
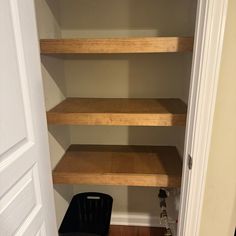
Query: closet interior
(116, 79)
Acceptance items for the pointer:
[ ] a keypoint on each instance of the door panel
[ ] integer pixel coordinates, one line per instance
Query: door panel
(34, 225)
(21, 200)
(14, 167)
(12, 108)
(26, 198)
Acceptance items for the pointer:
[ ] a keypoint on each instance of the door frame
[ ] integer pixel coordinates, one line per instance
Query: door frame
(209, 35)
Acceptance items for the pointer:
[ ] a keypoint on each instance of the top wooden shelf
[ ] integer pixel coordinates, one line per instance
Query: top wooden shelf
(117, 45)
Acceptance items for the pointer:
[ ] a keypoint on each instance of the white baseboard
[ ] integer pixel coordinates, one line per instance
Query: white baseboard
(140, 220)
(135, 219)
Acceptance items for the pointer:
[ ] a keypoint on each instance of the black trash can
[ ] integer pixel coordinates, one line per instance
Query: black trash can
(88, 213)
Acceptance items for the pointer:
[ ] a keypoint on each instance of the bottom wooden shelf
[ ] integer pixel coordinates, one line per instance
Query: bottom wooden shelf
(119, 165)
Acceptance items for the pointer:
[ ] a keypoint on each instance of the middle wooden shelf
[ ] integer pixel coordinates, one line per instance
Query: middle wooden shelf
(158, 166)
(119, 111)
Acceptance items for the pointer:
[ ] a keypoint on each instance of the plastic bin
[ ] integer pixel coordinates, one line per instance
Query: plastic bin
(88, 213)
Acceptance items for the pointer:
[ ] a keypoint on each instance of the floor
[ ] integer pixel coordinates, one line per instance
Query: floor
(117, 230)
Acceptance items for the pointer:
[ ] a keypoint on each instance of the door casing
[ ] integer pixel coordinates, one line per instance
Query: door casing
(209, 34)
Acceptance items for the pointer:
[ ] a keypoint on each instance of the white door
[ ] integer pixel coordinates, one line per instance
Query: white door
(26, 196)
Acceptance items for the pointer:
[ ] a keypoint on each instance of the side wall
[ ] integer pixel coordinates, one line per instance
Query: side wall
(47, 12)
(219, 208)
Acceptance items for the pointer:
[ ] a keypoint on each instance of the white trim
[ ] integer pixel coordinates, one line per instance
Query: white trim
(210, 24)
(136, 219)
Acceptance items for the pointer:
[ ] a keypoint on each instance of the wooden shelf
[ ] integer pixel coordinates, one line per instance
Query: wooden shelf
(119, 165)
(117, 45)
(119, 111)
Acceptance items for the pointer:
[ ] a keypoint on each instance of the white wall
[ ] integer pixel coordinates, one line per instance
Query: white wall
(133, 76)
(105, 18)
(54, 90)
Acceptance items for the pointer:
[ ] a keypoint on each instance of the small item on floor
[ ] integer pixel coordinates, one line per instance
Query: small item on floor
(164, 217)
(89, 214)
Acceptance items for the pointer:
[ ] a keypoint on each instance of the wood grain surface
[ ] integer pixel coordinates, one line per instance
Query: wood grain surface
(119, 165)
(117, 45)
(119, 111)
(122, 230)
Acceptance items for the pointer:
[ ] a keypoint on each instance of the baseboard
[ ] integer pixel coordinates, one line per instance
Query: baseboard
(135, 219)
